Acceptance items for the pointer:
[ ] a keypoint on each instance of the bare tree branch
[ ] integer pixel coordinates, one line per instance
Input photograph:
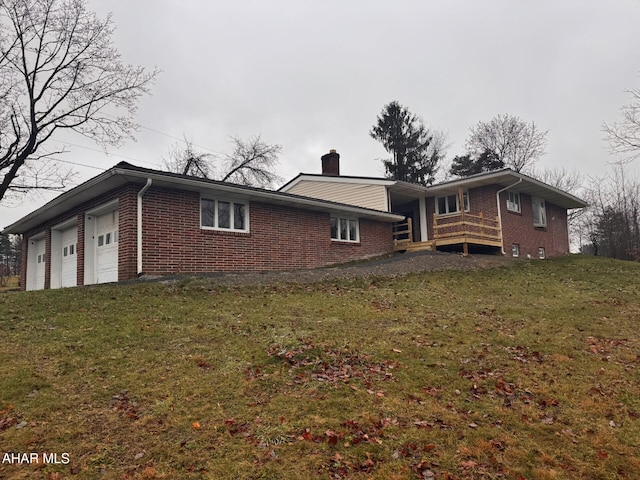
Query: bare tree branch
(252, 162)
(624, 135)
(60, 70)
(516, 143)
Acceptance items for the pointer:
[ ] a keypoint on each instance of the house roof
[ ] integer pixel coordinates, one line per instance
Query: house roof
(514, 181)
(504, 178)
(124, 173)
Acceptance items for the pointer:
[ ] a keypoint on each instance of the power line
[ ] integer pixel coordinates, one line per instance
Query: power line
(109, 154)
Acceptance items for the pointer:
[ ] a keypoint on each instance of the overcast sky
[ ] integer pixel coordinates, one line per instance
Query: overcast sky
(313, 75)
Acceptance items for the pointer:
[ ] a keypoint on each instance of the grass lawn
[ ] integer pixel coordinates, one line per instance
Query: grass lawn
(526, 372)
(8, 284)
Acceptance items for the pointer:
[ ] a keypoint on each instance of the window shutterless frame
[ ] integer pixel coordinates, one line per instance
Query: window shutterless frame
(539, 212)
(450, 204)
(224, 214)
(345, 229)
(513, 202)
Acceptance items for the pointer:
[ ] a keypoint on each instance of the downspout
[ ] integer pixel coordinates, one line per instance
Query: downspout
(140, 194)
(500, 210)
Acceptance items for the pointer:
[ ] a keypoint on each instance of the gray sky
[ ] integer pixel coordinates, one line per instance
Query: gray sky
(313, 75)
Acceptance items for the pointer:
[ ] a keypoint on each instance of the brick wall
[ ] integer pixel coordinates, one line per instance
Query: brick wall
(517, 227)
(280, 238)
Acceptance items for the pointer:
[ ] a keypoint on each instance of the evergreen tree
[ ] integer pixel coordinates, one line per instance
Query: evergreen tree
(465, 165)
(416, 151)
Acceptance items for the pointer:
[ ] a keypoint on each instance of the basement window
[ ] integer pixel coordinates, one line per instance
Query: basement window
(541, 253)
(345, 229)
(451, 204)
(515, 250)
(220, 214)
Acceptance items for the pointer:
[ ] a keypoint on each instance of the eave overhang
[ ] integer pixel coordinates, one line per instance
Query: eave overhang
(124, 173)
(505, 178)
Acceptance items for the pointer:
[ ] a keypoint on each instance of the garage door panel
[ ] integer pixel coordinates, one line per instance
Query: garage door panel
(37, 265)
(69, 258)
(106, 241)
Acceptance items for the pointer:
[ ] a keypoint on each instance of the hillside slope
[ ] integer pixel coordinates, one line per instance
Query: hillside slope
(529, 371)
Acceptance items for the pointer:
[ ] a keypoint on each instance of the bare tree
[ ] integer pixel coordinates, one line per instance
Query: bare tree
(612, 223)
(515, 142)
(188, 161)
(59, 71)
(624, 135)
(251, 162)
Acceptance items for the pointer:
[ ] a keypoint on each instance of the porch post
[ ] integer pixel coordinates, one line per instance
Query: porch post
(424, 232)
(465, 246)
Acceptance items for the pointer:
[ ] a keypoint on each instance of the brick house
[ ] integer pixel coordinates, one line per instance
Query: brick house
(504, 211)
(130, 221)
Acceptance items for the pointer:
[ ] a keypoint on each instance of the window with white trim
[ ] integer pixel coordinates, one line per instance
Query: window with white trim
(513, 202)
(539, 212)
(515, 250)
(541, 253)
(451, 204)
(345, 229)
(222, 214)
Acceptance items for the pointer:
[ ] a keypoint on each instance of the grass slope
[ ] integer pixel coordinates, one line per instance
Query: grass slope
(526, 372)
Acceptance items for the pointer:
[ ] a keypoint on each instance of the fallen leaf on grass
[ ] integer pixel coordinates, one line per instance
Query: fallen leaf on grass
(196, 425)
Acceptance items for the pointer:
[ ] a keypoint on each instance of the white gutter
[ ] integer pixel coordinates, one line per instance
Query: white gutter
(500, 211)
(140, 194)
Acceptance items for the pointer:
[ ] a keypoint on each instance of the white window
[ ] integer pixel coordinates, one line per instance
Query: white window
(515, 250)
(513, 202)
(345, 229)
(539, 212)
(541, 253)
(224, 215)
(451, 204)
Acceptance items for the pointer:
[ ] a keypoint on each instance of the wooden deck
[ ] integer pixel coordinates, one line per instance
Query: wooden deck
(456, 229)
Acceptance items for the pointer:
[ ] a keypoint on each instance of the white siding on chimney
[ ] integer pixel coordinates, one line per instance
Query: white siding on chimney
(359, 194)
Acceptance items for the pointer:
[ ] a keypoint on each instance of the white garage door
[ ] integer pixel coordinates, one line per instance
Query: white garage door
(106, 242)
(69, 255)
(35, 278)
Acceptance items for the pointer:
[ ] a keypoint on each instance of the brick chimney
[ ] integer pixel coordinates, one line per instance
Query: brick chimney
(331, 163)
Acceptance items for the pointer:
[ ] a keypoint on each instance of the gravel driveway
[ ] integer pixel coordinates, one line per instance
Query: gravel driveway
(390, 266)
